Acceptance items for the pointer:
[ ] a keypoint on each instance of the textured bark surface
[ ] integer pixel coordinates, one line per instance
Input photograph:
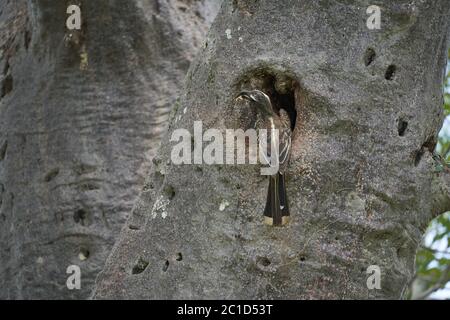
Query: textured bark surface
(369, 106)
(81, 114)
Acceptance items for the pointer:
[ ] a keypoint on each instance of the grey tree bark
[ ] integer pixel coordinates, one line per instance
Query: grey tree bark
(81, 114)
(361, 178)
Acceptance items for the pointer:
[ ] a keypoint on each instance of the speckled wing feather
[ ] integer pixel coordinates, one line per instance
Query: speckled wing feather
(283, 140)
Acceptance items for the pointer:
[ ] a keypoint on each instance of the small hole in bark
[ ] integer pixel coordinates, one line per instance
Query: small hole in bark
(179, 256)
(402, 126)
(390, 72)
(140, 266)
(27, 39)
(369, 57)
(7, 85)
(165, 266)
(133, 227)
(3, 149)
(6, 68)
(169, 191)
(302, 258)
(51, 175)
(263, 261)
(80, 217)
(418, 156)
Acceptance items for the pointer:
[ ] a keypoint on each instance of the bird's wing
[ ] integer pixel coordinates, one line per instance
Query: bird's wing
(285, 145)
(283, 141)
(270, 139)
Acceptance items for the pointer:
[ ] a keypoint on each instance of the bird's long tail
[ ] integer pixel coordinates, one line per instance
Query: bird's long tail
(276, 212)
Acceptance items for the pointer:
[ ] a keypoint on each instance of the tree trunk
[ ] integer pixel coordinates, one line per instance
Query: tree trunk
(368, 108)
(81, 113)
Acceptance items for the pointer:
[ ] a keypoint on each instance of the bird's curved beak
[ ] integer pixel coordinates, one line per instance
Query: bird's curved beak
(244, 95)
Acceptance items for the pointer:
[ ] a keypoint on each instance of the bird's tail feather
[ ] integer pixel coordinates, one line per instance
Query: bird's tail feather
(276, 212)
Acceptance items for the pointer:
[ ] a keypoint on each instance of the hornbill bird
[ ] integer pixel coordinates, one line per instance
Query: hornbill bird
(276, 212)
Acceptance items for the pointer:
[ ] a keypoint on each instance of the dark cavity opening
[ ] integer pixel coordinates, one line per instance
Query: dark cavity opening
(169, 191)
(6, 68)
(280, 88)
(80, 216)
(7, 85)
(51, 175)
(418, 156)
(179, 256)
(140, 266)
(3, 149)
(402, 126)
(390, 72)
(369, 56)
(27, 39)
(263, 261)
(165, 266)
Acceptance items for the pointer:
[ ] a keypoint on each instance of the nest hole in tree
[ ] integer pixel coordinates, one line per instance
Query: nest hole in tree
(369, 56)
(402, 126)
(279, 86)
(263, 261)
(390, 72)
(80, 216)
(139, 266)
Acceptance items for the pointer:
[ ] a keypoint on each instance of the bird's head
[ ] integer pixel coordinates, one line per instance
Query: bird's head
(259, 99)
